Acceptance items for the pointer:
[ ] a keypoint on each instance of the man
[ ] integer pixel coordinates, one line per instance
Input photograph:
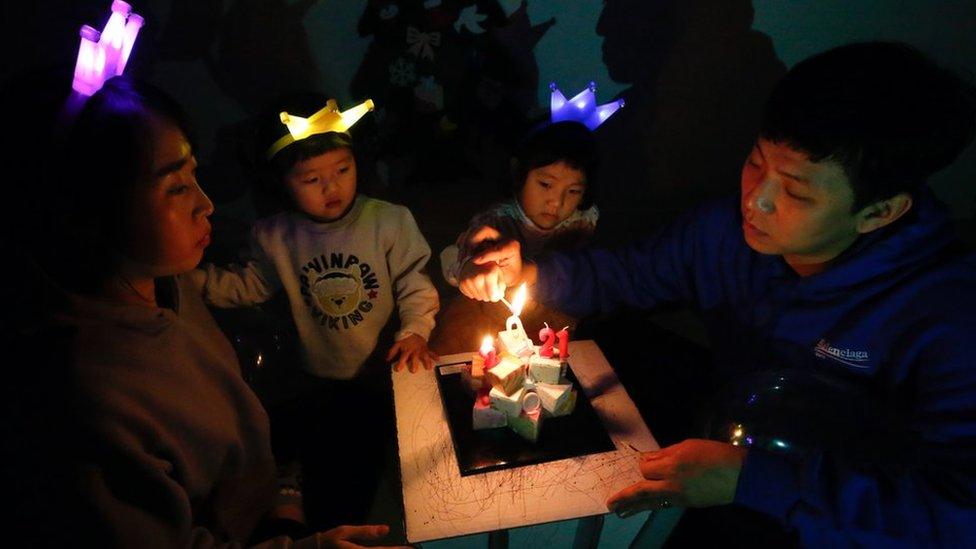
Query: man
(834, 261)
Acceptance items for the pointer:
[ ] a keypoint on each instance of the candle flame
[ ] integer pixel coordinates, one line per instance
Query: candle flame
(521, 296)
(487, 345)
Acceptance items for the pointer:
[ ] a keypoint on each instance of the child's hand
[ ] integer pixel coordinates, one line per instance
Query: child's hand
(413, 352)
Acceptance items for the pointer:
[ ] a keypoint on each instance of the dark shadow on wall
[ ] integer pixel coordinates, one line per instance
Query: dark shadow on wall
(454, 84)
(261, 48)
(698, 76)
(255, 51)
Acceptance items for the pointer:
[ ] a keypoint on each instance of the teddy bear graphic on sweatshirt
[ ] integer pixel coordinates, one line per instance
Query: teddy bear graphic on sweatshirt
(338, 289)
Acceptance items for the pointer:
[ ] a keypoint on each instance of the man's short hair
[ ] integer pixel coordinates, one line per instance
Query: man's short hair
(886, 112)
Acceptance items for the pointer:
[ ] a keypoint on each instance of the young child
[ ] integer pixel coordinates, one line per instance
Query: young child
(345, 262)
(551, 209)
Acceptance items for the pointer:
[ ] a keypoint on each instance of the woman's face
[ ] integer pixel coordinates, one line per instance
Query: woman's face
(167, 227)
(552, 193)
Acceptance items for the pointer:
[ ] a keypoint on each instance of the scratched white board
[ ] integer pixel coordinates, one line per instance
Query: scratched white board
(439, 503)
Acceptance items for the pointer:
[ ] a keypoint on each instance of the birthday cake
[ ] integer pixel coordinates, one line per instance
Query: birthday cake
(523, 384)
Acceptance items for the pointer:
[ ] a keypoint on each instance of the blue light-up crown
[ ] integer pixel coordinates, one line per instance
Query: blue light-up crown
(582, 108)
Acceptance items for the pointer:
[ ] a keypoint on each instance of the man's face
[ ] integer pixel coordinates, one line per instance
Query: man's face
(796, 208)
(324, 186)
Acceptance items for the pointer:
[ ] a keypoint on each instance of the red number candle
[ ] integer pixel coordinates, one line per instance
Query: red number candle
(488, 352)
(563, 337)
(547, 336)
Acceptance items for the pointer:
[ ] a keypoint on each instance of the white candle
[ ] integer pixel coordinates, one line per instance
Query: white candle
(514, 337)
(514, 323)
(514, 326)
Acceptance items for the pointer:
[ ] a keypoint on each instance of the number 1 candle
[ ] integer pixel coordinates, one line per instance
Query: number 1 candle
(563, 337)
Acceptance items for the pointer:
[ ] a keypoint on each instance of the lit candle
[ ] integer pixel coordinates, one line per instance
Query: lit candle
(514, 322)
(547, 336)
(488, 352)
(514, 338)
(563, 337)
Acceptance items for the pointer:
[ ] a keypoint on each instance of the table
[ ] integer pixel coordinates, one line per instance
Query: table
(439, 503)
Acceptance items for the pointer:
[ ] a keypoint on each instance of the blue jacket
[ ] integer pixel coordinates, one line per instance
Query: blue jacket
(895, 315)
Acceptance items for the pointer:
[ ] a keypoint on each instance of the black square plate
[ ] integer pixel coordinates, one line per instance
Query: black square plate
(577, 434)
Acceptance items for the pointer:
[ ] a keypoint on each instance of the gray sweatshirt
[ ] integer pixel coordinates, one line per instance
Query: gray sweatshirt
(342, 278)
(176, 448)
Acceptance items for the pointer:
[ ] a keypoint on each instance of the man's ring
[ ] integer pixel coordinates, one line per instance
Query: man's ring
(664, 503)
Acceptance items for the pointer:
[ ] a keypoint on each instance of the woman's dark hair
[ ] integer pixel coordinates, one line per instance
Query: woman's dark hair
(108, 152)
(569, 142)
(884, 111)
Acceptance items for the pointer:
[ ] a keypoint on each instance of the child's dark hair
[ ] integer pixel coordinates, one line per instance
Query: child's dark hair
(304, 149)
(108, 152)
(884, 111)
(569, 142)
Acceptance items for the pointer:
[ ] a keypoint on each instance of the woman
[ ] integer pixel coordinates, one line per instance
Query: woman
(163, 443)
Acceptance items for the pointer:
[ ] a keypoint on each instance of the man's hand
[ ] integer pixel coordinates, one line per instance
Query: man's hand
(413, 353)
(482, 282)
(488, 275)
(343, 537)
(483, 237)
(692, 473)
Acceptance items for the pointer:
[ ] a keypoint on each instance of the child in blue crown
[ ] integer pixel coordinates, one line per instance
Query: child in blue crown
(552, 209)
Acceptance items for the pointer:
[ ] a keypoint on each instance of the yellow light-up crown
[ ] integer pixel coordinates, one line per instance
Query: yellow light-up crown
(328, 119)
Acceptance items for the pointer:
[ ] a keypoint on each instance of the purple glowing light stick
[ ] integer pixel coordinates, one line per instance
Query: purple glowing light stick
(103, 55)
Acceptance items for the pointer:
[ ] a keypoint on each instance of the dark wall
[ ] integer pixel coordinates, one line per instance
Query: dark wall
(457, 82)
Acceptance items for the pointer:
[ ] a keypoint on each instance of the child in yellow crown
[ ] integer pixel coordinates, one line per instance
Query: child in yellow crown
(346, 261)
